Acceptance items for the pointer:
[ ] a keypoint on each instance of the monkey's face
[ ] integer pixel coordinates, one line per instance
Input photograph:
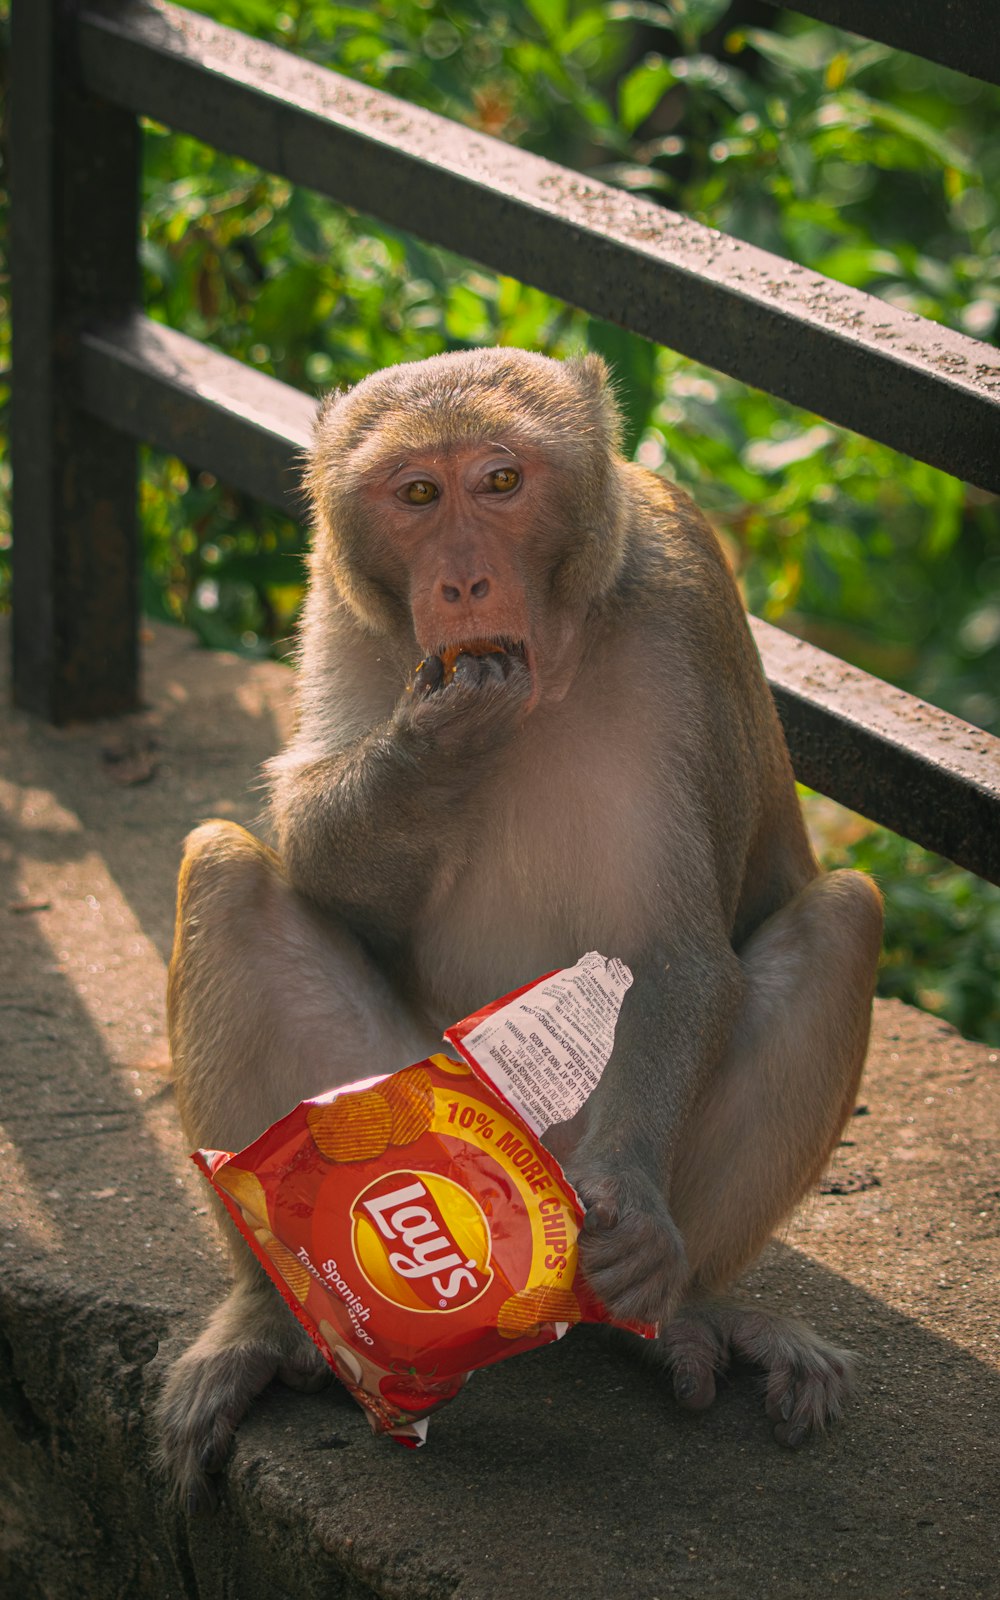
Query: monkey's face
(472, 498)
(464, 535)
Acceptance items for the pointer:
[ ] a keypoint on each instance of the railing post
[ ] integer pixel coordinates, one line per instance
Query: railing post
(74, 220)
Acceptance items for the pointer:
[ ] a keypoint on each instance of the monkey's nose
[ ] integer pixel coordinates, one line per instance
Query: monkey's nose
(453, 592)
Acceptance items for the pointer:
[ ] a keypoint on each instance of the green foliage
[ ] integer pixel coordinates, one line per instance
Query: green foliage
(874, 168)
(942, 932)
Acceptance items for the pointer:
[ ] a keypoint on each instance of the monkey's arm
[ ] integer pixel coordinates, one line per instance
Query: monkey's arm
(355, 831)
(672, 1032)
(678, 1018)
(363, 831)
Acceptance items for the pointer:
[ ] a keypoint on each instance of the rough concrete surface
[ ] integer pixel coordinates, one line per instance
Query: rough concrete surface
(566, 1473)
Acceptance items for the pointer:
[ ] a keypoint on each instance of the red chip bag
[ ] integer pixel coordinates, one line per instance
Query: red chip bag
(414, 1223)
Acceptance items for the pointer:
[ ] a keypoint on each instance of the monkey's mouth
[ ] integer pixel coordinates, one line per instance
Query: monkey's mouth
(438, 666)
(503, 646)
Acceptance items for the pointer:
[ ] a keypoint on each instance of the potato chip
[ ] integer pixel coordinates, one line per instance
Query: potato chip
(410, 1097)
(472, 647)
(295, 1273)
(354, 1127)
(530, 1309)
(248, 1192)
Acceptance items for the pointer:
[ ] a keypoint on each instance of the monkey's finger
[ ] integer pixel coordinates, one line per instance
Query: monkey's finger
(795, 1414)
(474, 671)
(602, 1213)
(602, 1204)
(428, 676)
(492, 669)
(516, 671)
(217, 1442)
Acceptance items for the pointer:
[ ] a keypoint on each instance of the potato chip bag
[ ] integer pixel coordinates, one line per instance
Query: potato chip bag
(414, 1223)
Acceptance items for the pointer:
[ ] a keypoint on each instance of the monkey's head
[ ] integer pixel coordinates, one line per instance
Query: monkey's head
(470, 497)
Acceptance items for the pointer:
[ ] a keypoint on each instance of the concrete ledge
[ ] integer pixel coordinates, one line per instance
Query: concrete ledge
(567, 1473)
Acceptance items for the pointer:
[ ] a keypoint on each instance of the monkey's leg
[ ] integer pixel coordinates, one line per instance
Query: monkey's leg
(762, 1135)
(268, 1002)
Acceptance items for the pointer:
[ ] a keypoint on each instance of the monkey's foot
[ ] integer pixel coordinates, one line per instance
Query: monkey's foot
(250, 1339)
(305, 1370)
(807, 1380)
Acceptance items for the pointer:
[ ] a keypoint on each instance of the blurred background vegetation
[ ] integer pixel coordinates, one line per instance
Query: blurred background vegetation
(873, 167)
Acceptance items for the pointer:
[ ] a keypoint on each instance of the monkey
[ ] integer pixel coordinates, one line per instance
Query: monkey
(600, 767)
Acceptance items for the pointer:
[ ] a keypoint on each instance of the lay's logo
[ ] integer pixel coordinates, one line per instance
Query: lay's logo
(422, 1241)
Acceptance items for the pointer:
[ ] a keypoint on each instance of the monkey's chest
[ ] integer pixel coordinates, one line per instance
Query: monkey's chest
(556, 863)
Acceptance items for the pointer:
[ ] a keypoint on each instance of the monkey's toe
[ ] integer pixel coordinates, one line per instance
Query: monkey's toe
(807, 1393)
(693, 1353)
(808, 1380)
(694, 1389)
(306, 1370)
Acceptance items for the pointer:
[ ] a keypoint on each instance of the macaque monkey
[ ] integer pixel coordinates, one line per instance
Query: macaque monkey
(610, 775)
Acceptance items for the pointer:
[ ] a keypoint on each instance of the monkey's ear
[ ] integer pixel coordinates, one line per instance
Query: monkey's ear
(328, 405)
(595, 382)
(592, 373)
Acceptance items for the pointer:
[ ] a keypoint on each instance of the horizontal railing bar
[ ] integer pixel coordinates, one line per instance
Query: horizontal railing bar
(185, 398)
(956, 33)
(874, 748)
(921, 388)
(908, 765)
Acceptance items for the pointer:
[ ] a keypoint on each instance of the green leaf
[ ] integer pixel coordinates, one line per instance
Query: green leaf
(642, 11)
(714, 77)
(916, 129)
(633, 176)
(700, 16)
(588, 25)
(775, 455)
(797, 160)
(805, 55)
(867, 56)
(550, 16)
(859, 264)
(261, 568)
(252, 16)
(641, 91)
(305, 228)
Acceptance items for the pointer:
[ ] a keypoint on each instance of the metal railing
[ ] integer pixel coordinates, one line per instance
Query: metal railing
(93, 375)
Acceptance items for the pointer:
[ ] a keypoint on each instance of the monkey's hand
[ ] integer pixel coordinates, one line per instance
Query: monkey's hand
(360, 831)
(479, 704)
(631, 1252)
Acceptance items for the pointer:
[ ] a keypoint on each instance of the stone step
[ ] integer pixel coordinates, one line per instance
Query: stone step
(566, 1473)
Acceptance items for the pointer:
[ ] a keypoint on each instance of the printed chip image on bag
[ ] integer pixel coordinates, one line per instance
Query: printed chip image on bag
(415, 1223)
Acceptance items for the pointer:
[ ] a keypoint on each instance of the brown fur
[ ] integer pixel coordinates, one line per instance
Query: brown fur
(624, 787)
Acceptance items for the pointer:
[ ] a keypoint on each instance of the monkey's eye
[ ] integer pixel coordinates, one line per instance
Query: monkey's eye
(503, 480)
(419, 493)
